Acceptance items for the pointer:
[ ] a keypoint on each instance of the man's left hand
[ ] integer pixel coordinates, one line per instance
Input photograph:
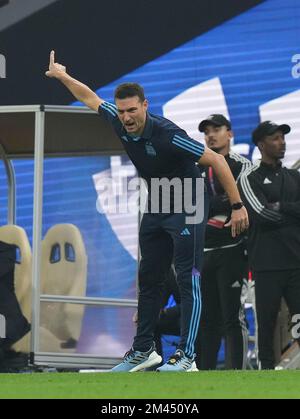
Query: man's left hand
(239, 221)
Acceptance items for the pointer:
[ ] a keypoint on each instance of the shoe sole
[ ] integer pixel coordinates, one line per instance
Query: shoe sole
(154, 359)
(193, 368)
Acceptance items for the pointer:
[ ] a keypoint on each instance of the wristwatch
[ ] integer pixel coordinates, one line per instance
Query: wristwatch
(237, 205)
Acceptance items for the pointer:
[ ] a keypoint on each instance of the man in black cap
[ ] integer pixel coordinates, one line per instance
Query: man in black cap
(225, 264)
(271, 194)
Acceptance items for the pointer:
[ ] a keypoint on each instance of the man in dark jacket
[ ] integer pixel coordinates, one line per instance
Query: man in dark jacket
(271, 194)
(13, 322)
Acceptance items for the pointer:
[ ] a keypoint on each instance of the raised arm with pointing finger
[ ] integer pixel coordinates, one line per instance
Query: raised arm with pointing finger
(134, 122)
(81, 92)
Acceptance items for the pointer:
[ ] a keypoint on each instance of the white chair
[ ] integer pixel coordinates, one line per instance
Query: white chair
(63, 272)
(17, 236)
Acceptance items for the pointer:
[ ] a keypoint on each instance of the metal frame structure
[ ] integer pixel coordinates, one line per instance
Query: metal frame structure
(11, 180)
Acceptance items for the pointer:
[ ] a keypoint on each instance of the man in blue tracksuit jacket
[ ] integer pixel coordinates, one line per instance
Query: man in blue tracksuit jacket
(161, 151)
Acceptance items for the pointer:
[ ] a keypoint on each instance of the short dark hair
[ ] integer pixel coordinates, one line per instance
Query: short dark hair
(125, 90)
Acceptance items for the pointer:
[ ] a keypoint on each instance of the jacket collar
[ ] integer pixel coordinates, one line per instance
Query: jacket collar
(147, 133)
(270, 167)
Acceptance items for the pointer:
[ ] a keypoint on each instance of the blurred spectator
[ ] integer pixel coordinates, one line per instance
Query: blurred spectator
(225, 263)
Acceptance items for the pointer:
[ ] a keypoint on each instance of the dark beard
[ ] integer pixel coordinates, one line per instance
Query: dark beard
(216, 149)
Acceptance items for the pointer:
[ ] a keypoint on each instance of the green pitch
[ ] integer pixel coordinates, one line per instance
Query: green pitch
(151, 385)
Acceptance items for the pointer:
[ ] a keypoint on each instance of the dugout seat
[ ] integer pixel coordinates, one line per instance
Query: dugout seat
(63, 272)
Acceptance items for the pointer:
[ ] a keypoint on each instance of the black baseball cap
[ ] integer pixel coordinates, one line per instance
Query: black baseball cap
(214, 119)
(268, 128)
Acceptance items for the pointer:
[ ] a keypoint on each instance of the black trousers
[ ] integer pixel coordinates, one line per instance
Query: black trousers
(223, 275)
(162, 238)
(270, 287)
(168, 324)
(16, 325)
